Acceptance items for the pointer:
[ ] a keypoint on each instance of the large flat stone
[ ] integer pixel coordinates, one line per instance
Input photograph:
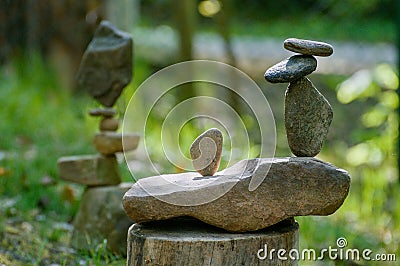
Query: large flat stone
(101, 216)
(91, 170)
(106, 66)
(292, 187)
(308, 116)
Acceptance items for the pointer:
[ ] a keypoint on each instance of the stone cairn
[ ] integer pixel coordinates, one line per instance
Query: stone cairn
(105, 70)
(240, 222)
(308, 114)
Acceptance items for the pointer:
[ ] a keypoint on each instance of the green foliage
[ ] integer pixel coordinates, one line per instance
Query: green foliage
(36, 130)
(318, 27)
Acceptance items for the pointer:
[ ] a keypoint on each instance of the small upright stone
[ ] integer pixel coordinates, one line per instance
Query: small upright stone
(308, 47)
(206, 152)
(291, 69)
(106, 66)
(308, 116)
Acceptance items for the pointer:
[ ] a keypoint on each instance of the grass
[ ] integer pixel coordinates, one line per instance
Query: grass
(41, 122)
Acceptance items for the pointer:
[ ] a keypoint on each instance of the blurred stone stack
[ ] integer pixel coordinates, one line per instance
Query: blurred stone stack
(308, 114)
(105, 70)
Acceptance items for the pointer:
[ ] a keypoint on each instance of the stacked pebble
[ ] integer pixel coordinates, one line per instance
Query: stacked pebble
(105, 70)
(308, 114)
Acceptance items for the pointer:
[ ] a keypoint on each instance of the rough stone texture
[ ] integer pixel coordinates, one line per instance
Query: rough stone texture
(104, 112)
(109, 124)
(106, 66)
(293, 187)
(91, 170)
(111, 142)
(308, 116)
(206, 152)
(101, 216)
(291, 69)
(308, 47)
(186, 241)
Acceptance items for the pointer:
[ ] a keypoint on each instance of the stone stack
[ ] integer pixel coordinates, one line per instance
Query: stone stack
(106, 68)
(291, 186)
(308, 114)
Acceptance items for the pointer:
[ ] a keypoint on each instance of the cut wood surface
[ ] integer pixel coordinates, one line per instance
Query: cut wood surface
(187, 241)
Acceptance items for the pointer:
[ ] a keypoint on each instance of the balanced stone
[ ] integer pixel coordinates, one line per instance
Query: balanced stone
(308, 116)
(291, 69)
(101, 216)
(104, 112)
(109, 124)
(106, 66)
(112, 142)
(91, 170)
(206, 151)
(308, 47)
(292, 187)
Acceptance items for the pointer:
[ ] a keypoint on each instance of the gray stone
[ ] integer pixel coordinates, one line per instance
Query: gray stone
(109, 124)
(106, 66)
(91, 170)
(308, 116)
(104, 112)
(101, 216)
(291, 69)
(206, 151)
(308, 47)
(293, 187)
(111, 142)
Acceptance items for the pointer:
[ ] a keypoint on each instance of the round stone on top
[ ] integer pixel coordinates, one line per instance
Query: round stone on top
(291, 69)
(308, 47)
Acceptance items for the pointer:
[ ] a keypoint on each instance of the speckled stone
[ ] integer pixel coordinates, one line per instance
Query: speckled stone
(308, 116)
(206, 152)
(308, 47)
(291, 69)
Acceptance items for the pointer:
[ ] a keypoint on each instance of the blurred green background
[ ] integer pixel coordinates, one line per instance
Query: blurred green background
(44, 113)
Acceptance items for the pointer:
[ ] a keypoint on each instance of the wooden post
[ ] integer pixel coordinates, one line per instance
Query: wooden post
(186, 241)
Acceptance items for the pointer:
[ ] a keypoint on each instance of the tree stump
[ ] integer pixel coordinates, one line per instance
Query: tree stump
(186, 241)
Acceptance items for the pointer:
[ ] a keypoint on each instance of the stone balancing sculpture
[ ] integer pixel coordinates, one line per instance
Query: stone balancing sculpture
(293, 186)
(105, 70)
